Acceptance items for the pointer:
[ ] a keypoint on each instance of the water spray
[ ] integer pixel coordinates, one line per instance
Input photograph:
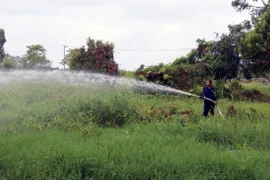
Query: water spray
(86, 78)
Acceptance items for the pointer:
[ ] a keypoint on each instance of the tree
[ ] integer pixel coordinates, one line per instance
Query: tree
(220, 59)
(220, 56)
(225, 50)
(180, 61)
(255, 47)
(256, 7)
(192, 56)
(96, 57)
(35, 58)
(2, 42)
(12, 62)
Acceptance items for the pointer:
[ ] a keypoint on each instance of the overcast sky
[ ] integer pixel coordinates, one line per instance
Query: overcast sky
(130, 24)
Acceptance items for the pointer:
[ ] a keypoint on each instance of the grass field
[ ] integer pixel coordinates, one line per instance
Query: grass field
(60, 131)
(259, 86)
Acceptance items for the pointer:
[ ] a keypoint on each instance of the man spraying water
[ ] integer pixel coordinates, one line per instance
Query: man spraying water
(209, 96)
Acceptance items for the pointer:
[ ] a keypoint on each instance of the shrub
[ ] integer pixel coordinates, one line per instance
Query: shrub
(108, 109)
(222, 89)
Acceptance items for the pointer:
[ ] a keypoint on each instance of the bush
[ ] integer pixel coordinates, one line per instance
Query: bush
(239, 93)
(127, 74)
(109, 109)
(222, 89)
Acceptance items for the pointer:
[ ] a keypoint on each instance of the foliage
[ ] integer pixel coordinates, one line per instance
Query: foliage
(12, 62)
(190, 58)
(221, 58)
(217, 60)
(127, 74)
(180, 61)
(256, 9)
(255, 47)
(173, 75)
(228, 56)
(35, 58)
(2, 42)
(96, 57)
(222, 89)
(268, 76)
(108, 109)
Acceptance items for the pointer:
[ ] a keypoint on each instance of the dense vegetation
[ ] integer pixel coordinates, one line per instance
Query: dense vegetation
(96, 57)
(34, 58)
(2, 42)
(52, 130)
(243, 52)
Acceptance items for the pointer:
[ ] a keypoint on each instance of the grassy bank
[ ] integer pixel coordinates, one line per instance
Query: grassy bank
(59, 131)
(259, 86)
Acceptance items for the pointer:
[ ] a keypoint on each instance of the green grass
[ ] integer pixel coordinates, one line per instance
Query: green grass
(59, 131)
(265, 89)
(152, 151)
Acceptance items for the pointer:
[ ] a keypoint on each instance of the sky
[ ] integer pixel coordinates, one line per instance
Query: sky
(154, 31)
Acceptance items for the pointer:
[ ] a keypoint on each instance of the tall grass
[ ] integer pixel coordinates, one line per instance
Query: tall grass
(153, 151)
(56, 131)
(40, 105)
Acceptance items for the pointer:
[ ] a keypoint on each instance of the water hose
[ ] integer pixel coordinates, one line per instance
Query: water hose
(218, 109)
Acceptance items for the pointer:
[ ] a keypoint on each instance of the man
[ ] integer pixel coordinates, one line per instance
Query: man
(209, 96)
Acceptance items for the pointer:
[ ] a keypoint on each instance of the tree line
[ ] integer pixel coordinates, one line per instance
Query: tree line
(96, 56)
(34, 58)
(242, 52)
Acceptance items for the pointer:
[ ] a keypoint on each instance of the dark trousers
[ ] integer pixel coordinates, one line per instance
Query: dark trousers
(208, 107)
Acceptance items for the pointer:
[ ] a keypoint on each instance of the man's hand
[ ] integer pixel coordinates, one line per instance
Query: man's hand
(215, 102)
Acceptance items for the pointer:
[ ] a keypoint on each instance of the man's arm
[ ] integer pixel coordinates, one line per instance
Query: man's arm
(214, 94)
(203, 93)
(211, 100)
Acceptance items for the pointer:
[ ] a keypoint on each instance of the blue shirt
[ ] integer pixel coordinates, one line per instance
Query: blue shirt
(209, 92)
